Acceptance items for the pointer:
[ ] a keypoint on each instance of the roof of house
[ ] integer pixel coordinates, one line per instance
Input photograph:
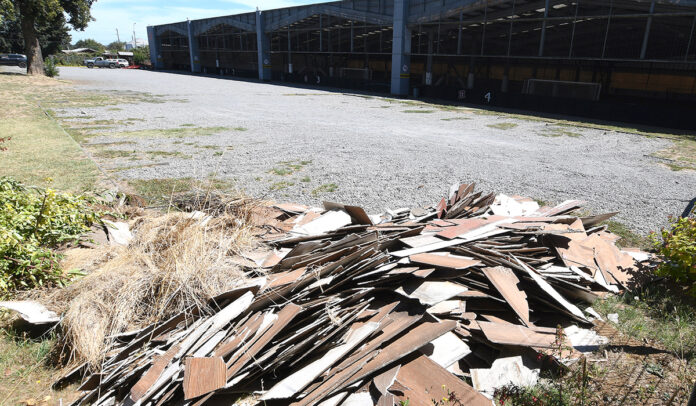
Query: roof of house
(80, 51)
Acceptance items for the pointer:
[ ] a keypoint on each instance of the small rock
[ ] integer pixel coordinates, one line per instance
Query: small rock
(613, 317)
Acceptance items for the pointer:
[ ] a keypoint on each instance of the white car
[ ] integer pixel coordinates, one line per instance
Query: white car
(100, 62)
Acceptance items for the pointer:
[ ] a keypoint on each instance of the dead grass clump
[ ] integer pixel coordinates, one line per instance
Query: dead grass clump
(214, 203)
(174, 263)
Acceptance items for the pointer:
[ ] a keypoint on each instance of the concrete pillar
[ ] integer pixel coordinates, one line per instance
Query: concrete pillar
(264, 48)
(193, 50)
(401, 50)
(155, 51)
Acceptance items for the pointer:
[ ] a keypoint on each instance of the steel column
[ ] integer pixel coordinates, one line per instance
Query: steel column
(155, 52)
(572, 35)
(691, 37)
(321, 34)
(644, 48)
(193, 50)
(606, 34)
(459, 34)
(352, 36)
(543, 28)
(512, 15)
(263, 47)
(485, 24)
(401, 50)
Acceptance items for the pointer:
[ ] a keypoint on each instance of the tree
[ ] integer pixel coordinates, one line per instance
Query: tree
(33, 14)
(90, 43)
(141, 55)
(53, 35)
(116, 46)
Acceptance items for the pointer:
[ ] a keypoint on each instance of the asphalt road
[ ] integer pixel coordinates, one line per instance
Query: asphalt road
(373, 151)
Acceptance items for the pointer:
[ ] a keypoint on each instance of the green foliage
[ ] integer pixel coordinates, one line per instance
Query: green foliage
(539, 395)
(50, 68)
(32, 222)
(71, 59)
(90, 43)
(116, 46)
(141, 55)
(677, 246)
(53, 32)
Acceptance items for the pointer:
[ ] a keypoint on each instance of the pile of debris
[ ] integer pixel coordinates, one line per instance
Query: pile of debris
(343, 308)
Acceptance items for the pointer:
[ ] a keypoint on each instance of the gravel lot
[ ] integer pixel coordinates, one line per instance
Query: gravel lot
(377, 152)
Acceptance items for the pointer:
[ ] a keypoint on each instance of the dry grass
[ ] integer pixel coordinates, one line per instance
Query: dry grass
(173, 264)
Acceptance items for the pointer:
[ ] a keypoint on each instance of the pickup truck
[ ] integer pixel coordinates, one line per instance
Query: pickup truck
(13, 60)
(100, 62)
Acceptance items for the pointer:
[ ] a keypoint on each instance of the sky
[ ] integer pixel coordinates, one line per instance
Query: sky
(122, 14)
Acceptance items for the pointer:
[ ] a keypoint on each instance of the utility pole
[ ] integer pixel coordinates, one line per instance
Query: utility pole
(118, 37)
(135, 45)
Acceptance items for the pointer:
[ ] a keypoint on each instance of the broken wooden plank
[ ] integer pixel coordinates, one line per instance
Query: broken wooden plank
(203, 375)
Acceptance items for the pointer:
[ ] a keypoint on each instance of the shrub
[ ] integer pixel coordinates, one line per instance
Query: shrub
(50, 68)
(141, 56)
(33, 221)
(677, 246)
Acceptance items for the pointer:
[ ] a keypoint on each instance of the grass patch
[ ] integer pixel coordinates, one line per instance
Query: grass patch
(281, 185)
(559, 132)
(455, 118)
(681, 155)
(186, 132)
(159, 191)
(677, 167)
(325, 188)
(503, 126)
(629, 238)
(167, 154)
(26, 370)
(655, 314)
(114, 153)
(218, 153)
(40, 153)
(306, 179)
(240, 129)
(187, 125)
(418, 111)
(286, 168)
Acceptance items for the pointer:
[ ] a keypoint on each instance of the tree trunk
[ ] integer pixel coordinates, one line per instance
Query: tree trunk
(35, 64)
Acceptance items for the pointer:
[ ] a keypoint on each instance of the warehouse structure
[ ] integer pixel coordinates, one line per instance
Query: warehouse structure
(619, 59)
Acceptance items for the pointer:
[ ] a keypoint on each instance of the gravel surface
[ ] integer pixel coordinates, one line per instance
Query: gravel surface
(373, 151)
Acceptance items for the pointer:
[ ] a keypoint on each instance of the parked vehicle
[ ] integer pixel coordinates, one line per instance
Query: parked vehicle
(100, 62)
(122, 63)
(14, 60)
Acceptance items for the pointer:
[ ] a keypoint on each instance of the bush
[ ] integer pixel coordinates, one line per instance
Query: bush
(50, 68)
(33, 221)
(71, 59)
(677, 246)
(141, 56)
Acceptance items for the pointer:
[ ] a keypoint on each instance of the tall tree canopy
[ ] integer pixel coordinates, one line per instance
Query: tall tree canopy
(33, 14)
(54, 35)
(116, 46)
(90, 43)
